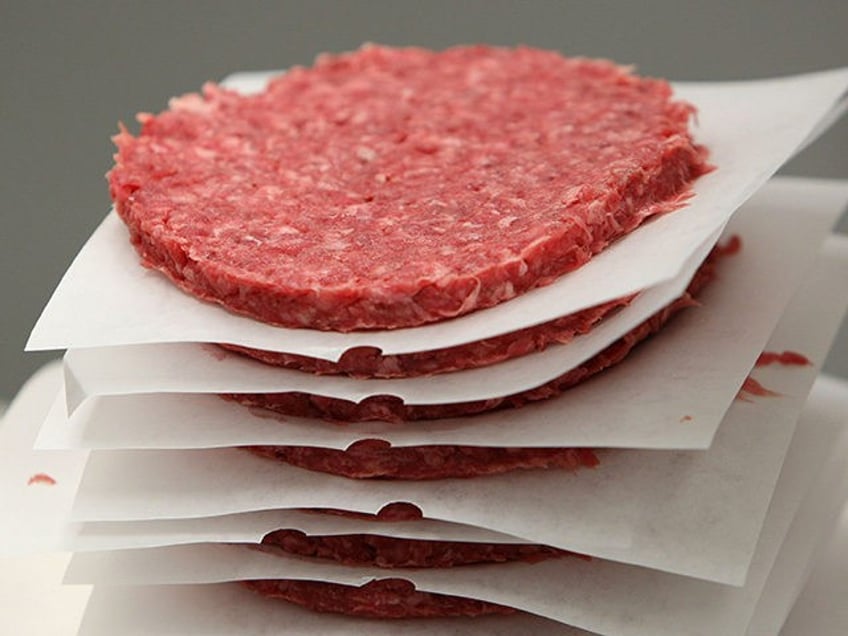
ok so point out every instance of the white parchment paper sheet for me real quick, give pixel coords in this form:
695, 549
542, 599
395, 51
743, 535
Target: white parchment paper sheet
755, 286
711, 503
820, 607
816, 516
601, 596
710, 347
250, 527
751, 128
165, 367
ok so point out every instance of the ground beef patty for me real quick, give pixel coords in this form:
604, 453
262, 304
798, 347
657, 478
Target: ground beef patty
376, 459
389, 188
390, 408
386, 598
393, 409
368, 362
396, 552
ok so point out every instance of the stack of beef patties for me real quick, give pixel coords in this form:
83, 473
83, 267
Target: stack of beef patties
439, 277
391, 189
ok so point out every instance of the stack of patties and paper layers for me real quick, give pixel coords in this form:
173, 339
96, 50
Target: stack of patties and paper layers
429, 336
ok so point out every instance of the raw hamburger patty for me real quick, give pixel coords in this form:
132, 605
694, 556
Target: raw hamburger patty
395, 552
389, 188
390, 408
370, 459
368, 362
387, 598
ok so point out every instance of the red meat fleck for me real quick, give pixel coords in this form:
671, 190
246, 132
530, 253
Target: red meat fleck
41, 478
733, 245
790, 358
753, 387
215, 351
686, 418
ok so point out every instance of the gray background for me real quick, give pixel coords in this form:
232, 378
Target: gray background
72, 70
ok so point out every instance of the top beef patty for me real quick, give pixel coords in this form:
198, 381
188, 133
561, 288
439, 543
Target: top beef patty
389, 188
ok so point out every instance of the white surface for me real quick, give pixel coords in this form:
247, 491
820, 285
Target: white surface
20, 423
821, 608
818, 514
751, 129
32, 600
34, 514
